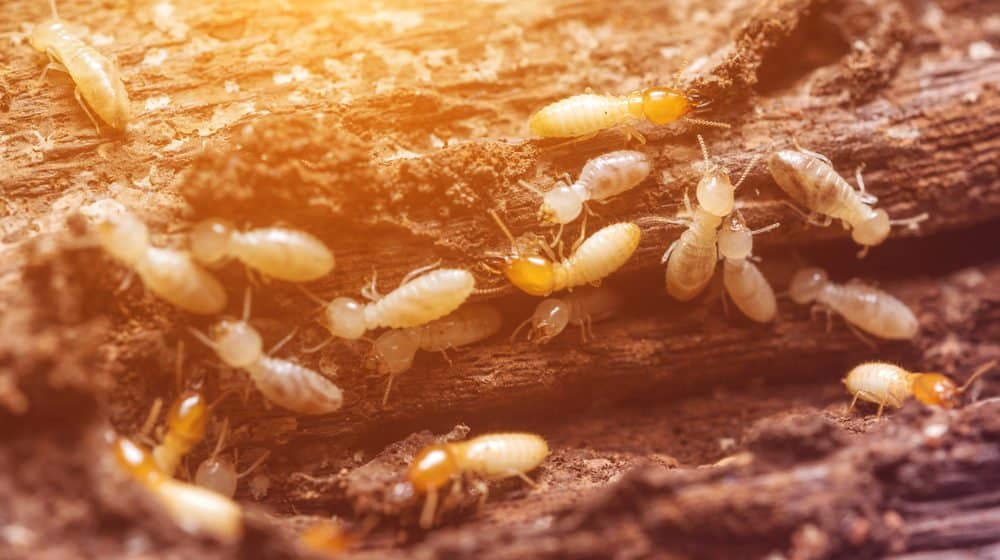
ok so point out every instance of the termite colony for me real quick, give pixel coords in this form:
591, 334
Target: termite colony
429, 310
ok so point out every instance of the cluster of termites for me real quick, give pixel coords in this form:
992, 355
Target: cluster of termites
428, 310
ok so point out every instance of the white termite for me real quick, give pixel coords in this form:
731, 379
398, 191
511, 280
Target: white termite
744, 283
218, 472
692, 258
393, 351
867, 308
282, 253
172, 275
580, 308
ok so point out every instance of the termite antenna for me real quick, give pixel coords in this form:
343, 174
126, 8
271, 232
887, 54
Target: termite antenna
55, 12
680, 71
388, 387
704, 151
490, 291
517, 331
283, 341
747, 170
179, 366
911, 223
202, 337
503, 227
766, 229
151, 418
975, 375
530, 187
218, 400
255, 464
704, 122
318, 347
247, 296
222, 438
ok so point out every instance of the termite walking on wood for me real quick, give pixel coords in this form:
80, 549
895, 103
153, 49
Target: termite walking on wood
744, 283
593, 259
98, 82
285, 254
589, 113
218, 472
580, 308
194, 509
867, 308
692, 258
810, 180
287, 384
172, 275
420, 298
393, 351
888, 384
490, 456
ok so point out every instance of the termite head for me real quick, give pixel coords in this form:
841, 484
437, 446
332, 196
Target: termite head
45, 33
393, 351
188, 416
936, 390
873, 230
210, 241
550, 318
432, 468
806, 284
716, 192
218, 474
236, 342
135, 460
534, 274
735, 238
561, 205
345, 318
663, 105
123, 235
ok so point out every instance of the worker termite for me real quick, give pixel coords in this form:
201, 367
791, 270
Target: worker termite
581, 308
172, 275
282, 382
590, 113
744, 283
392, 353
218, 473
888, 384
809, 178
603, 177
419, 299
593, 259
285, 254
98, 82
864, 307
491, 456
691, 259
195, 509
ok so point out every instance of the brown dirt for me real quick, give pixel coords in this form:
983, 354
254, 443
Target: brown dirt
388, 134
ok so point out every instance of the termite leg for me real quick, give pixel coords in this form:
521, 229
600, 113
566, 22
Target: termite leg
79, 99
865, 196
868, 342
854, 401
881, 408
283, 341
255, 464
318, 347
912, 223
370, 292
126, 282
631, 132
525, 478
666, 254
558, 236
517, 330
388, 388
816, 155
447, 358
863, 252
575, 140
725, 303
583, 235
430, 504
418, 271
151, 418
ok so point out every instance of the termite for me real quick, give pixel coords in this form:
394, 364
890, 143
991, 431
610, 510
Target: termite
593, 260
581, 308
98, 82
490, 456
888, 384
864, 307
195, 509
285, 254
692, 258
589, 113
287, 384
186, 422
218, 473
392, 352
602, 178
419, 299
810, 180
744, 283
172, 275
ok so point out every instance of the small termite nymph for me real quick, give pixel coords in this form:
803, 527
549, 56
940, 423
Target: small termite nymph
287, 384
864, 307
285, 254
744, 283
490, 456
580, 308
186, 422
98, 82
218, 473
716, 193
602, 178
810, 180
888, 384
593, 259
692, 258
172, 275
392, 352
194, 509
417, 300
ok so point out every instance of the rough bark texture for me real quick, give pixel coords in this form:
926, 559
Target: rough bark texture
389, 134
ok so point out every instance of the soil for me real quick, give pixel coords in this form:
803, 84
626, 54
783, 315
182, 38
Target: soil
388, 133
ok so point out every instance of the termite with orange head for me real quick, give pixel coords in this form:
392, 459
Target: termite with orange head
580, 308
218, 472
867, 308
194, 509
186, 421
809, 178
888, 384
744, 283
287, 384
98, 82
393, 352
172, 275
594, 259
285, 254
490, 456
